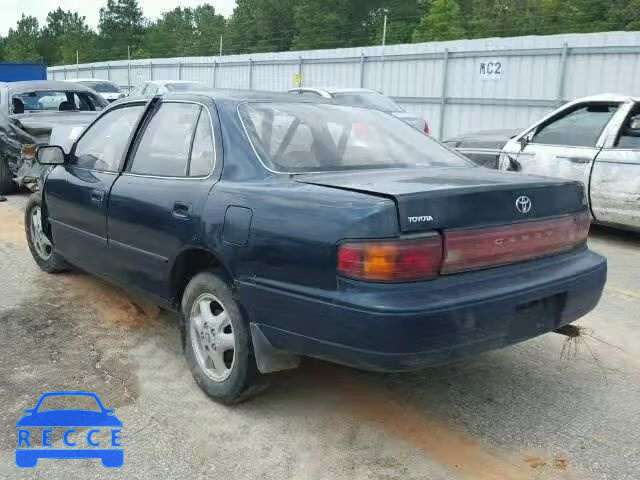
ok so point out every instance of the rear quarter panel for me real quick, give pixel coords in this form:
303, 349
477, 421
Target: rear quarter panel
294, 230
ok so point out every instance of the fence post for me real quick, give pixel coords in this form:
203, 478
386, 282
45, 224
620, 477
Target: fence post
108, 72
562, 71
362, 60
64, 71
150, 70
443, 95
215, 67
300, 63
179, 70
93, 71
250, 74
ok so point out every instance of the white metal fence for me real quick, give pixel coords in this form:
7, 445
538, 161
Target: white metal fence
458, 86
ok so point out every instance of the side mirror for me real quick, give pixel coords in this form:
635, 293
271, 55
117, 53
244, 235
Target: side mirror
50, 155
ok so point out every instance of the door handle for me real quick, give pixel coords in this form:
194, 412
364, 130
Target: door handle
181, 210
97, 196
574, 159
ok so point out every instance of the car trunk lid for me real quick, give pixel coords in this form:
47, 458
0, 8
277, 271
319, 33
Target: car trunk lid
452, 198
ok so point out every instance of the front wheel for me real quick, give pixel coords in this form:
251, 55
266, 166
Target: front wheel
217, 342
39, 238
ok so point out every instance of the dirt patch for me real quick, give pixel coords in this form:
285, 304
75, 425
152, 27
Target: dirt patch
534, 462
12, 227
451, 449
113, 304
560, 463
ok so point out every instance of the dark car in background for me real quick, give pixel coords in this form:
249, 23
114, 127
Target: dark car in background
363, 97
28, 113
281, 226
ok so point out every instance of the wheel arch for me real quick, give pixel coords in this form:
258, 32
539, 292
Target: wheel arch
189, 263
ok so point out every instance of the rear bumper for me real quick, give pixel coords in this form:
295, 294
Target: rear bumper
410, 326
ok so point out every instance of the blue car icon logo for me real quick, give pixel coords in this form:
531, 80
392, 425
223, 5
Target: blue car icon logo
36, 432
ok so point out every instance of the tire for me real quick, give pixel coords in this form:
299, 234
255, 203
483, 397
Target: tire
39, 238
7, 185
210, 315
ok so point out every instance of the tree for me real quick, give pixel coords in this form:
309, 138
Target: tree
21, 44
333, 24
260, 26
403, 18
209, 26
65, 33
120, 25
624, 15
442, 22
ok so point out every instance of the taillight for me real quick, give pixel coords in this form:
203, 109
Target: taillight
426, 128
391, 261
477, 248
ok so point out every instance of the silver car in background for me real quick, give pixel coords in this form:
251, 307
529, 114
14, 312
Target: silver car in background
362, 97
159, 87
105, 88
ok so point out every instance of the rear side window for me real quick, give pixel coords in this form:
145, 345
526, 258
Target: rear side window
103, 146
202, 153
581, 127
165, 145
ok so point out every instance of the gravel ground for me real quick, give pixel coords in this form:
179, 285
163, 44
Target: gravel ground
524, 412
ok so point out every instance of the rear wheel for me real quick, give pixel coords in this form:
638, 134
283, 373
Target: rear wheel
7, 185
39, 237
217, 342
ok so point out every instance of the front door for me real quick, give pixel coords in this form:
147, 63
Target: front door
566, 145
78, 194
615, 181
155, 205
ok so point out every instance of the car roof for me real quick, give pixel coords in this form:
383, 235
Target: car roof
336, 90
232, 95
88, 80
45, 85
606, 97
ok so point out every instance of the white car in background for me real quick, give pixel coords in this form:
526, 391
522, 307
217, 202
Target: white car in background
159, 87
363, 97
105, 88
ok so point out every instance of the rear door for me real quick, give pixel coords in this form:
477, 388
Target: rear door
154, 208
78, 194
615, 180
566, 145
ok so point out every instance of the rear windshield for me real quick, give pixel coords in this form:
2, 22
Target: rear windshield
56, 100
103, 87
309, 137
368, 100
185, 87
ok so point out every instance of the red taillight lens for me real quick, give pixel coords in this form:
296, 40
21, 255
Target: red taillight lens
395, 261
483, 247
427, 130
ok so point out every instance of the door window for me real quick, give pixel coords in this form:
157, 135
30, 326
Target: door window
165, 145
202, 152
104, 144
581, 127
629, 137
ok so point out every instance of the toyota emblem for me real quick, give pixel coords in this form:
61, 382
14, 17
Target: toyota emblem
523, 204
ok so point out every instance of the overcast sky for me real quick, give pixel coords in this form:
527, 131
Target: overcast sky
12, 10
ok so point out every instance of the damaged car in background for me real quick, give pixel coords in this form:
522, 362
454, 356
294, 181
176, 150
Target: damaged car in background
595, 140
29, 112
